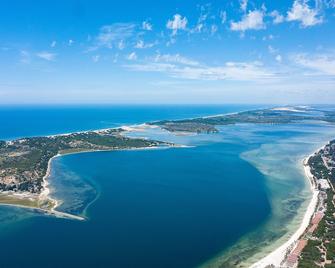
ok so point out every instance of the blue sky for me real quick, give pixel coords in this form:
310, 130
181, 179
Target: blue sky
167, 51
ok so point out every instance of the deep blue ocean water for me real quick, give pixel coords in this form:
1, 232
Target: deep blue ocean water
26, 121
158, 208
152, 210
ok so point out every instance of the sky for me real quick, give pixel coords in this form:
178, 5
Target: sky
161, 52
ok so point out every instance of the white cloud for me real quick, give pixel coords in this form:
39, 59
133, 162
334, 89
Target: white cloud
176, 58
239, 71
121, 45
307, 16
146, 26
111, 35
70, 43
198, 28
223, 16
53, 44
46, 55
204, 13
132, 56
277, 17
251, 21
177, 23
322, 63
244, 5
214, 29
141, 45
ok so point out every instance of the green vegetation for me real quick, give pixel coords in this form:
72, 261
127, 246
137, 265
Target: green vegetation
321, 245
310, 255
195, 127
263, 116
24, 162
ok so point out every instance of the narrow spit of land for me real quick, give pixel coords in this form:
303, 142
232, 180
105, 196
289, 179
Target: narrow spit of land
25, 163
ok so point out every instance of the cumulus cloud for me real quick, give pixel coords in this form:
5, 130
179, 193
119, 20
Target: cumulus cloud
323, 63
146, 26
306, 15
46, 55
253, 20
177, 23
277, 17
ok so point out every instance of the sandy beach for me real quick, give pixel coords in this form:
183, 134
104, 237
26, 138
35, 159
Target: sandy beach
277, 257
42, 202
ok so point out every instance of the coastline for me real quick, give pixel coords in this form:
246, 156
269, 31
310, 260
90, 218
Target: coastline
44, 203
277, 257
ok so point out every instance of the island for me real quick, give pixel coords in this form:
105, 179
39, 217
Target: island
280, 115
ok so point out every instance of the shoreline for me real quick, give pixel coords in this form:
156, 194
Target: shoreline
135, 126
43, 199
277, 257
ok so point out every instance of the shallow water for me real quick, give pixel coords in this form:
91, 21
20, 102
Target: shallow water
278, 156
228, 197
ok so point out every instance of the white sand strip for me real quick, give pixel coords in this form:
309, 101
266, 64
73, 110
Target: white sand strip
277, 257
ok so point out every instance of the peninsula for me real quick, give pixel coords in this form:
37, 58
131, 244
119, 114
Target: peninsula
25, 163
280, 115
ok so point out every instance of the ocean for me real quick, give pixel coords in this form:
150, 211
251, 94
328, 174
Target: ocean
225, 200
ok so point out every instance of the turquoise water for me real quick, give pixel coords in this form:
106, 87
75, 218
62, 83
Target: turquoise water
219, 202
27, 121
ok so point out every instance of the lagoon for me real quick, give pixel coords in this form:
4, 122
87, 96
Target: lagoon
229, 198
